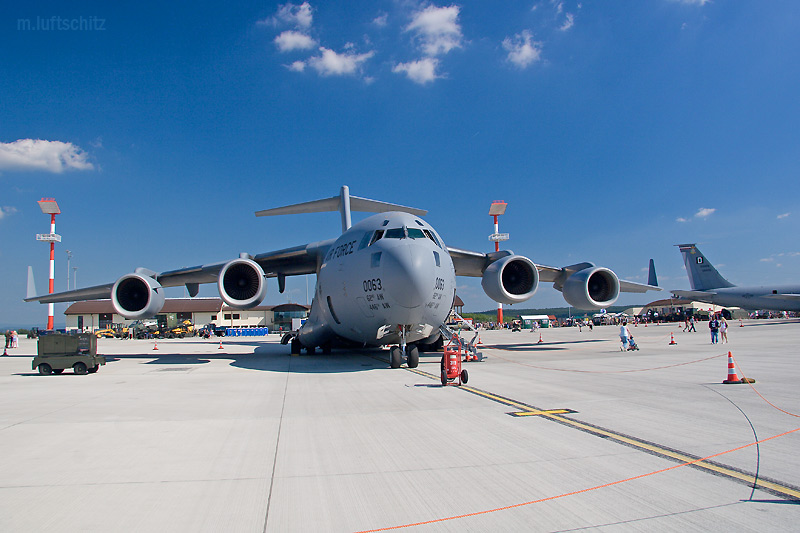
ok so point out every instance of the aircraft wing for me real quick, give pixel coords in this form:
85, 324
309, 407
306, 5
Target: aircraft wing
298, 260
469, 263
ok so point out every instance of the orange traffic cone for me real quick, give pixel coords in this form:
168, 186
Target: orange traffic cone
671, 339
645, 324
479, 340
5, 350
155, 346
220, 345
732, 377
540, 339
741, 324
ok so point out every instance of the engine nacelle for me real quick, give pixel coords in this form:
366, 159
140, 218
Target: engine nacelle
242, 284
591, 288
510, 280
136, 296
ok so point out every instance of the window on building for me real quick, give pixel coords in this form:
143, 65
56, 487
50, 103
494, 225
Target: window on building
184, 316
236, 316
227, 316
213, 317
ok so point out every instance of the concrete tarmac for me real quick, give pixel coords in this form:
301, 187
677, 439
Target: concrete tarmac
563, 435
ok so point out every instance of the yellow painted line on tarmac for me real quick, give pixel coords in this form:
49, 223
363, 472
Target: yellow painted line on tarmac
777, 488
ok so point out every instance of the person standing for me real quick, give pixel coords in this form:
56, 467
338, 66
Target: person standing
691, 323
713, 326
624, 335
8, 338
14, 339
723, 330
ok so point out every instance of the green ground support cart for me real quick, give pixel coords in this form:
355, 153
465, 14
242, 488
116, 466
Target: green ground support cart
59, 352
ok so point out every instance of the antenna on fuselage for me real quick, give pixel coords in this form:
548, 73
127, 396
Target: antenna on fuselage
344, 203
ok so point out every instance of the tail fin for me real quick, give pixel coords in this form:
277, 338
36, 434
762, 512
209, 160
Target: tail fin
702, 274
651, 275
342, 203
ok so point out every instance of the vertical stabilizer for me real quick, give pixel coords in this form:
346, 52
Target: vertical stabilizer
702, 274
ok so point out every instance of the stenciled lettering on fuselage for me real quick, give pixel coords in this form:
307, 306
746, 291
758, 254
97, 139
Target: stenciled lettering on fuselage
341, 250
373, 289
438, 294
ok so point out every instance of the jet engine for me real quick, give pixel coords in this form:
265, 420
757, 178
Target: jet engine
136, 296
591, 288
242, 283
510, 280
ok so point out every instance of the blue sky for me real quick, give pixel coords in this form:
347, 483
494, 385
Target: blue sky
614, 130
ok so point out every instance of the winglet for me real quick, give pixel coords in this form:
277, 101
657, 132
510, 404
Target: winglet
31, 293
651, 275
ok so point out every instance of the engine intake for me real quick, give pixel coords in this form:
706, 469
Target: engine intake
242, 284
135, 296
591, 288
510, 280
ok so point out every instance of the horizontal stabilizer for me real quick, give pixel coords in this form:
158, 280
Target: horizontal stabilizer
783, 296
333, 203
693, 295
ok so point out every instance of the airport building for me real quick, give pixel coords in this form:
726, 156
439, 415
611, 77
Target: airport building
93, 315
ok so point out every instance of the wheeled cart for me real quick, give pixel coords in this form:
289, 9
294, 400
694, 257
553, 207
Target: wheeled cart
451, 366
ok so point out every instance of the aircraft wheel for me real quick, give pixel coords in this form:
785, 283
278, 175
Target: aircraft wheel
395, 356
296, 347
464, 376
79, 368
45, 369
413, 355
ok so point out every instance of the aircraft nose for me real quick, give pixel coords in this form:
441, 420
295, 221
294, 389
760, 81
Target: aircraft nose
408, 275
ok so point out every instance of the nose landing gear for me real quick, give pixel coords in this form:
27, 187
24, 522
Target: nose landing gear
410, 351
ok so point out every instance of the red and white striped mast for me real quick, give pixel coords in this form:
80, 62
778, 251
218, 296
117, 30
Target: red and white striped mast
50, 207
497, 208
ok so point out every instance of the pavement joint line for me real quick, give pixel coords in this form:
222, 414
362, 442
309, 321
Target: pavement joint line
777, 488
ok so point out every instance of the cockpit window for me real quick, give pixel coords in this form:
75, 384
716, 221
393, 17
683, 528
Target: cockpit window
376, 236
395, 233
415, 233
429, 234
364, 240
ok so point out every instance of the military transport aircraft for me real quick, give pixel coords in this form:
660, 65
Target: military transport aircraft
387, 280
710, 287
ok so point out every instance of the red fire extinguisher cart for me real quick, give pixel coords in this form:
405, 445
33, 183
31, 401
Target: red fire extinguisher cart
451, 366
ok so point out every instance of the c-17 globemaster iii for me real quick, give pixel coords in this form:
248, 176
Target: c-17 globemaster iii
387, 280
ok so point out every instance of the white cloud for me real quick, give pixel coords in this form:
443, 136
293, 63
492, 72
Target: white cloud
422, 71
297, 66
784, 215
681, 219
522, 49
294, 40
704, 212
296, 15
6, 211
381, 20
332, 64
767, 259
48, 156
570, 22
437, 29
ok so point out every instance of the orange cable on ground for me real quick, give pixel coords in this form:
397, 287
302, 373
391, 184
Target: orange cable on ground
759, 394
573, 493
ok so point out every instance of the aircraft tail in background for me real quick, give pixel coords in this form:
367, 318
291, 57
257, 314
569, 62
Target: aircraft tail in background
702, 274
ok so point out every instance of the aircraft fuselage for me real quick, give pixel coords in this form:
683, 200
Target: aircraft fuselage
389, 273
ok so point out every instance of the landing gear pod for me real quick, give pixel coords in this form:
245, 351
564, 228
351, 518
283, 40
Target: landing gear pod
242, 284
135, 296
